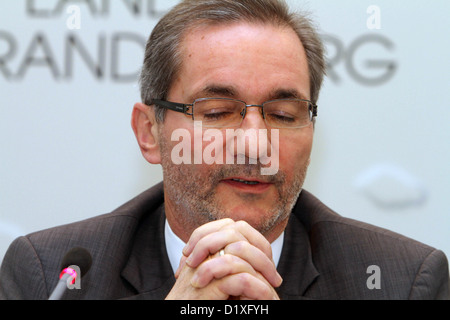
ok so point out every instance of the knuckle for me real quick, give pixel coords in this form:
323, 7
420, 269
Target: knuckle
266, 292
244, 279
240, 247
242, 224
226, 223
233, 234
205, 269
228, 259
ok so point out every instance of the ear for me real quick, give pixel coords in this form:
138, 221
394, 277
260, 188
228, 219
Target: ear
145, 129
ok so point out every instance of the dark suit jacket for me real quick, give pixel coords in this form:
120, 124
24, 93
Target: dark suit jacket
325, 256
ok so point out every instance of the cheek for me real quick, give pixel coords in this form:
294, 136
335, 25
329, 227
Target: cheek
209, 145
295, 151
196, 149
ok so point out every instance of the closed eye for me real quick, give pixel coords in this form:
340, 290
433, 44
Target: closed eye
217, 114
281, 117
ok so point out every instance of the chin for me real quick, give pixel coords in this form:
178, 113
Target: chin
258, 218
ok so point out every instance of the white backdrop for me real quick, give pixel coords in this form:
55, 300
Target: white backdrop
381, 152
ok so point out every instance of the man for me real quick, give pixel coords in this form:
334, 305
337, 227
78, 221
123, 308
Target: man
220, 228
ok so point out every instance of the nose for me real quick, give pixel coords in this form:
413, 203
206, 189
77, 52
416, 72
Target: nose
252, 137
253, 117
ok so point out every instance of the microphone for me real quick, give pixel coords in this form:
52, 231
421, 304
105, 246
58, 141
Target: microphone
78, 257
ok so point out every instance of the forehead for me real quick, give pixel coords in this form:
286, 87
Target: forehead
254, 59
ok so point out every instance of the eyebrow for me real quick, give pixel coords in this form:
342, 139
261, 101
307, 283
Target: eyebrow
286, 94
211, 91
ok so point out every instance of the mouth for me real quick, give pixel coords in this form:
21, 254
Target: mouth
247, 184
245, 181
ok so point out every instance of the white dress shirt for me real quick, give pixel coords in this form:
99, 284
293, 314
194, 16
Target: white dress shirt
175, 246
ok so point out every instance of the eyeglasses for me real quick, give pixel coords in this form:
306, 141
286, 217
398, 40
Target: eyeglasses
225, 112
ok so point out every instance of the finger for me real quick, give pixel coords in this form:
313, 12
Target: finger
247, 285
203, 231
217, 242
180, 266
253, 236
219, 267
212, 243
257, 259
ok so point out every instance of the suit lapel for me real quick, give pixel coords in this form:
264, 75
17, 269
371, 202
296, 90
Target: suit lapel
148, 269
296, 265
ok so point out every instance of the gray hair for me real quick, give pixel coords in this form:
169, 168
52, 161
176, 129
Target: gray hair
163, 60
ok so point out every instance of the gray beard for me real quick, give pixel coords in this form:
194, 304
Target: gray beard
196, 197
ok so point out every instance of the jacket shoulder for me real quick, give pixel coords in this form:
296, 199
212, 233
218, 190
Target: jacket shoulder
107, 237
348, 251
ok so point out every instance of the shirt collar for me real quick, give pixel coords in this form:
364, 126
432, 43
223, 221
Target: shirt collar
175, 245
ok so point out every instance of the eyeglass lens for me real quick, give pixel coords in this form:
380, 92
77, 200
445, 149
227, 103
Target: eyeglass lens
227, 112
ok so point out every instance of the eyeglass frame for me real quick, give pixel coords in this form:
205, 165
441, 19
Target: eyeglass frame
184, 107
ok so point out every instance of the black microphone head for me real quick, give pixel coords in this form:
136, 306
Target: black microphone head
79, 257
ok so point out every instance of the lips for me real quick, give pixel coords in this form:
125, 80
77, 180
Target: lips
247, 184
245, 181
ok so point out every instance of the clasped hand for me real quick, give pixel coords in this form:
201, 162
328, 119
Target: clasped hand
226, 260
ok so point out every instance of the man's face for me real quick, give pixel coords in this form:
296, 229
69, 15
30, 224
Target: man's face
253, 63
